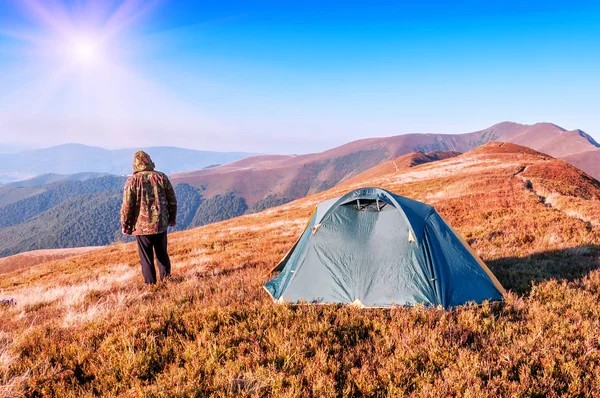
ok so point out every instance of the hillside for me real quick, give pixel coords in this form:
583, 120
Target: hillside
86, 325
10, 194
402, 163
49, 178
85, 220
285, 178
40, 199
72, 213
252, 184
16, 191
31, 258
588, 160
76, 158
80, 210
544, 137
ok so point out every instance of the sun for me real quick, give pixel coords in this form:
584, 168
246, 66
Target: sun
85, 51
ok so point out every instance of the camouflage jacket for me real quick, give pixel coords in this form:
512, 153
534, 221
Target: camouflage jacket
149, 202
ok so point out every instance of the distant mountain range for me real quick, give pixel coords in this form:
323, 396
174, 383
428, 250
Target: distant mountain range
14, 148
588, 161
56, 211
52, 211
48, 178
279, 179
16, 191
75, 158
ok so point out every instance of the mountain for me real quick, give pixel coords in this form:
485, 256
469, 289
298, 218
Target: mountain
402, 163
71, 213
76, 158
574, 146
267, 178
6, 178
48, 178
587, 160
14, 148
279, 179
16, 191
55, 194
546, 137
10, 194
212, 330
244, 186
362, 154
83, 210
84, 220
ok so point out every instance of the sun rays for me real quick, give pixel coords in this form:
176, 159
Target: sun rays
81, 70
87, 34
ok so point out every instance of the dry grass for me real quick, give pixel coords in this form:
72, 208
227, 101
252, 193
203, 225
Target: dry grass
85, 327
29, 259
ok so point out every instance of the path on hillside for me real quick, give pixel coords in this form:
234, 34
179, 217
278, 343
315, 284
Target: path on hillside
550, 202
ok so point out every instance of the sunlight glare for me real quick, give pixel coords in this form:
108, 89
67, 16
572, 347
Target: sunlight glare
85, 51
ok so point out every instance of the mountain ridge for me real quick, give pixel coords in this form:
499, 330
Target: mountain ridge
291, 177
77, 158
255, 183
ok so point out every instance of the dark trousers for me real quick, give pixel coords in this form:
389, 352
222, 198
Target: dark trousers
148, 245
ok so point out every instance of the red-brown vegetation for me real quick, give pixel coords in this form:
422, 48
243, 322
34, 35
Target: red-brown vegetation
401, 163
29, 259
86, 326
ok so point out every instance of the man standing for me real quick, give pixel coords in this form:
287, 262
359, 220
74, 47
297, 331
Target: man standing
149, 208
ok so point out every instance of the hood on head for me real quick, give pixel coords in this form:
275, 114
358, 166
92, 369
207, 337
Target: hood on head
142, 162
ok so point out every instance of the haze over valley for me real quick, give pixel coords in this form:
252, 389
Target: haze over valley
77, 158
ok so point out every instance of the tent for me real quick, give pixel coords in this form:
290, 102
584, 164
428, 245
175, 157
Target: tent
373, 248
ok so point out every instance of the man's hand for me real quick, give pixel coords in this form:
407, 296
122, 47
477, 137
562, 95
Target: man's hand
125, 232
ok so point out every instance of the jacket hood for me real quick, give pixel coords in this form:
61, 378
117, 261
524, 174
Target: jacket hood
142, 162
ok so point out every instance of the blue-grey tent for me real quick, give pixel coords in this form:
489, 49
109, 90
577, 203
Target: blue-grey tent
373, 248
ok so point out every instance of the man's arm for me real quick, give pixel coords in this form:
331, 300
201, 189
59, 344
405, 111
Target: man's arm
128, 208
171, 202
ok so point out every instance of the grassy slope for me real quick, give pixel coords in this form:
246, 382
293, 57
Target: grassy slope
86, 326
401, 163
31, 258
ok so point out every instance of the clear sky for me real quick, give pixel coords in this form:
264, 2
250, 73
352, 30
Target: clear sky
290, 76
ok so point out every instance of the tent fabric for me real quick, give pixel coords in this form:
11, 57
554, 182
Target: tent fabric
387, 250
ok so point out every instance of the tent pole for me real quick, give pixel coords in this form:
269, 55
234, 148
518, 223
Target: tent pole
358, 204
377, 200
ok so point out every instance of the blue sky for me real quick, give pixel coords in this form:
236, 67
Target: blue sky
290, 77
